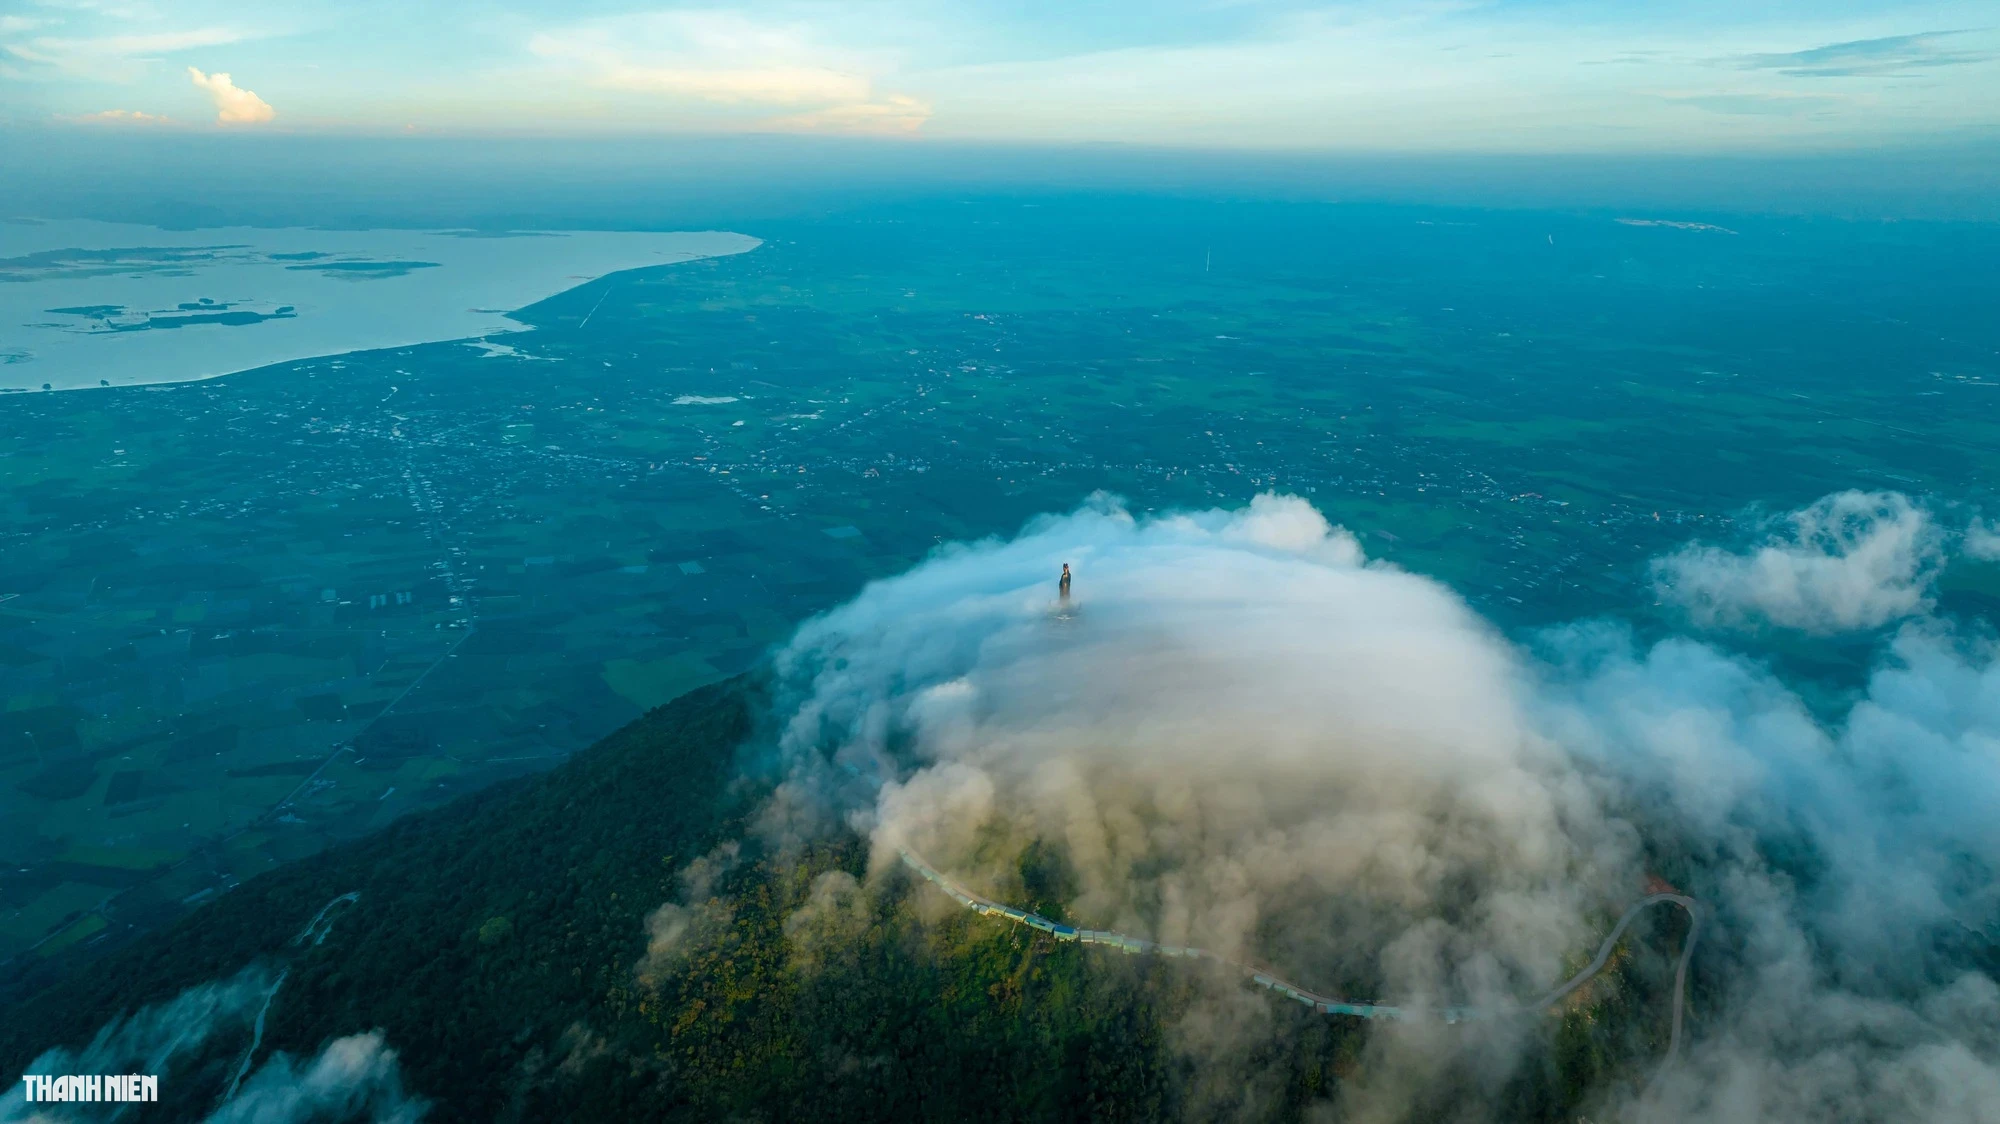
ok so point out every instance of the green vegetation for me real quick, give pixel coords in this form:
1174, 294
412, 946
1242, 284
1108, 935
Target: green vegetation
244, 620
501, 944
240, 612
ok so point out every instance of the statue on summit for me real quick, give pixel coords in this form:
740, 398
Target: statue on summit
1063, 586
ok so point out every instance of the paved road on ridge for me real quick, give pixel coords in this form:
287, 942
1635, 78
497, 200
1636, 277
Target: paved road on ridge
1328, 1004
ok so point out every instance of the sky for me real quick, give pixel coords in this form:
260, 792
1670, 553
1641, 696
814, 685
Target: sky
1414, 76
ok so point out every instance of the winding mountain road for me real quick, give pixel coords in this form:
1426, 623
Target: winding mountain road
1329, 1004
314, 932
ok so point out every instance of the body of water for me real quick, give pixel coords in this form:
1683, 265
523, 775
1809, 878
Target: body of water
87, 304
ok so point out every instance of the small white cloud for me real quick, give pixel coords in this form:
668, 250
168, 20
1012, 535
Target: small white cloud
763, 85
1852, 560
1982, 541
356, 1077
233, 105
119, 117
895, 115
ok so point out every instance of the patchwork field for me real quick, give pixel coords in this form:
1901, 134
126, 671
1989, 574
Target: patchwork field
242, 618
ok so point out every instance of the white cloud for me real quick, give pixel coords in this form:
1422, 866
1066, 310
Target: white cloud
781, 85
1982, 540
233, 105
205, 1032
119, 117
116, 58
1458, 77
1242, 726
1246, 736
1827, 850
352, 1078
207, 1019
155, 44
895, 115
726, 59
714, 56
1852, 560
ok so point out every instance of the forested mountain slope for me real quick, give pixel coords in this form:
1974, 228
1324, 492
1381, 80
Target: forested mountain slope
501, 946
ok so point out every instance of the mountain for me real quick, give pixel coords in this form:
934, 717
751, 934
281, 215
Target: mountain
513, 951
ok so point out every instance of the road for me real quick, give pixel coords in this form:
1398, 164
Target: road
1329, 1004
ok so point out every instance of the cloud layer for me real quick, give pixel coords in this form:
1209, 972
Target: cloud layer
1366, 75
1245, 735
1387, 757
1902, 55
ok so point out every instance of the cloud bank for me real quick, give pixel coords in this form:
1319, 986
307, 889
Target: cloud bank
1853, 560
1247, 736
233, 105
1387, 757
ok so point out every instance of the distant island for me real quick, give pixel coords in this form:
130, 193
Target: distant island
1677, 225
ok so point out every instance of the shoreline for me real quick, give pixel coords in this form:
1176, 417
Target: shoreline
91, 305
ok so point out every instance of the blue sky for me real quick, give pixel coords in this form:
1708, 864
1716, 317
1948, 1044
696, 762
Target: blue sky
1363, 75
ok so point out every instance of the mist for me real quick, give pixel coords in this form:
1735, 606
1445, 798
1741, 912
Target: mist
1244, 734
202, 1044
690, 181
